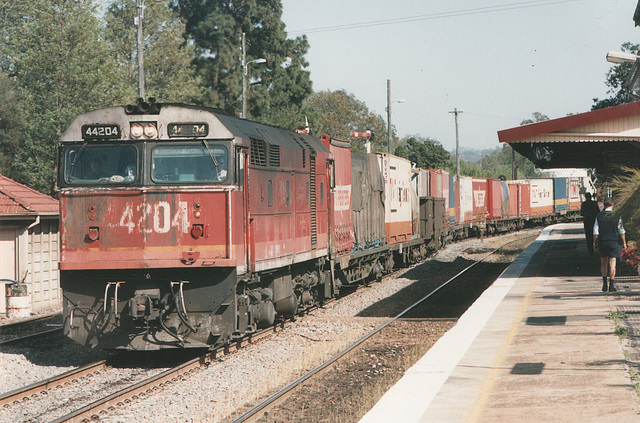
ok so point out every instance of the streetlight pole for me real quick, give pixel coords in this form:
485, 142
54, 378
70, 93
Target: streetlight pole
245, 67
138, 22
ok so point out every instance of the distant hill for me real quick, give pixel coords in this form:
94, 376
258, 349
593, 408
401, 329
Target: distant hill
474, 155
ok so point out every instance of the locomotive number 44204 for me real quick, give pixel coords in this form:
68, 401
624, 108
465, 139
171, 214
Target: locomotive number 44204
100, 131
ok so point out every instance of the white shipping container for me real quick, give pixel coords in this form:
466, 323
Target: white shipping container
401, 203
541, 196
466, 199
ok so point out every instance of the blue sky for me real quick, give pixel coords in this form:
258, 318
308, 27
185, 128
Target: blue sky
497, 61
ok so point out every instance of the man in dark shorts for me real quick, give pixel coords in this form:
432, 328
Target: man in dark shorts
606, 232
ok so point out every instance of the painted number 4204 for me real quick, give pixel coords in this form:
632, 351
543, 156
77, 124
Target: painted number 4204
158, 217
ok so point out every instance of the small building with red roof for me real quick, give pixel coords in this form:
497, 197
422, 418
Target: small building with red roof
29, 244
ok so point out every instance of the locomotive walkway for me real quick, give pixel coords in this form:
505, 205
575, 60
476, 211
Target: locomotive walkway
540, 345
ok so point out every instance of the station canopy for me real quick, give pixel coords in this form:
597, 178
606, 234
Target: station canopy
601, 139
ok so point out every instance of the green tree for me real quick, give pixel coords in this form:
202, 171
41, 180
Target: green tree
535, 118
473, 169
499, 162
278, 88
626, 191
426, 153
338, 114
62, 68
616, 77
170, 75
12, 121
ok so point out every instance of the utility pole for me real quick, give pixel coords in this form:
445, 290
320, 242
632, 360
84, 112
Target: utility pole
456, 112
244, 77
389, 115
138, 21
389, 102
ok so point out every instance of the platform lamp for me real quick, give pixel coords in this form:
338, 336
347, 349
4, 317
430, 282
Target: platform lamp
632, 84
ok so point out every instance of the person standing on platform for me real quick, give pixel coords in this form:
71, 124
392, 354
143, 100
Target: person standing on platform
606, 232
589, 209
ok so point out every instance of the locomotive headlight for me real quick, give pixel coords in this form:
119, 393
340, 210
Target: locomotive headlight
144, 129
150, 131
137, 130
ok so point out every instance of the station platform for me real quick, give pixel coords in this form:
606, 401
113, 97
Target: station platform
539, 345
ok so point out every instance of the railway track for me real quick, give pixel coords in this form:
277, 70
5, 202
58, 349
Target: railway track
261, 409
127, 394
14, 332
26, 393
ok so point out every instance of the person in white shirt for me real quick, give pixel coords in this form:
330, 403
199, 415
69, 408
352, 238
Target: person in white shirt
606, 233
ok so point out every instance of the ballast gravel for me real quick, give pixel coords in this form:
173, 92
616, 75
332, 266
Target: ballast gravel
246, 376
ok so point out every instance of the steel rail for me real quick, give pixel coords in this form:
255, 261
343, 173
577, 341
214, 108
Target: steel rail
32, 335
20, 394
29, 320
142, 388
150, 385
284, 391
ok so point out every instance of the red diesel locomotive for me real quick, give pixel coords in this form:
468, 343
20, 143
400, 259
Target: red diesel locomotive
182, 227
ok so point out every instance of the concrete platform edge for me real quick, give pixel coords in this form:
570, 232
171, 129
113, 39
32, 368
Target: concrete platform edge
412, 395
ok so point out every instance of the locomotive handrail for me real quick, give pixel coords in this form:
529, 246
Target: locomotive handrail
182, 314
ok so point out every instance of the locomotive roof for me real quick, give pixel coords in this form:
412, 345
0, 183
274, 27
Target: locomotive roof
221, 125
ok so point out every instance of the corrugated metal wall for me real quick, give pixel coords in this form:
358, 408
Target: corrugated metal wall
42, 264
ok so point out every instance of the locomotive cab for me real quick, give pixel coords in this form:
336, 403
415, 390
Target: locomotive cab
150, 245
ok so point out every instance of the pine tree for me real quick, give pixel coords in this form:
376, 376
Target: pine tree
277, 88
169, 74
62, 68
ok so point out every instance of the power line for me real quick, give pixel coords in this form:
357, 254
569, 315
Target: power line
432, 16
